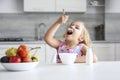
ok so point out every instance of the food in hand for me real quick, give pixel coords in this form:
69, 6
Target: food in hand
23, 51
4, 59
35, 58
11, 52
15, 59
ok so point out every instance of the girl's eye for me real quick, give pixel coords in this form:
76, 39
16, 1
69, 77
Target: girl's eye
77, 27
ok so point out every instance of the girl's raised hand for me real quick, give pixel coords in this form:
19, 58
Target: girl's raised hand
63, 19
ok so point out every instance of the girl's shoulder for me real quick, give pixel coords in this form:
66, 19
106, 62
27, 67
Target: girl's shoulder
61, 45
81, 45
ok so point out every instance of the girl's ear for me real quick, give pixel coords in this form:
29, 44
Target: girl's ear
81, 38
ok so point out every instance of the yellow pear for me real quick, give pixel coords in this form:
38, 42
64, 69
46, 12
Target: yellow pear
11, 52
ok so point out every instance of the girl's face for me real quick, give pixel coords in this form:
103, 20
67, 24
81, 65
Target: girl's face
74, 31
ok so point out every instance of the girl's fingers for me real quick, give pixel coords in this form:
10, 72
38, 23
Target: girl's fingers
65, 18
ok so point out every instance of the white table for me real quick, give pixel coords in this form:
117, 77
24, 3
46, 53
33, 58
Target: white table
81, 71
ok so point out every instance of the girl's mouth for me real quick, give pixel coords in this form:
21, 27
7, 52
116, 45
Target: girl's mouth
69, 32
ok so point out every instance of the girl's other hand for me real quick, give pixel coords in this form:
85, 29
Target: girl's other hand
63, 19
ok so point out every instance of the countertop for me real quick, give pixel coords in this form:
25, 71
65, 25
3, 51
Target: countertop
79, 71
23, 42
100, 41
43, 42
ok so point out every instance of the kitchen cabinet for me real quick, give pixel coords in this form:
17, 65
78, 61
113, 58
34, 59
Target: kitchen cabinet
95, 9
117, 55
112, 6
40, 52
54, 5
104, 51
95, 6
11, 6
73, 6
50, 54
39, 5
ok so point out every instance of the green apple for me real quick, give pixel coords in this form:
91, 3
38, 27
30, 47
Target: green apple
35, 58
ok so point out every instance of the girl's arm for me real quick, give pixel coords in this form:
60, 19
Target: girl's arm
83, 57
49, 36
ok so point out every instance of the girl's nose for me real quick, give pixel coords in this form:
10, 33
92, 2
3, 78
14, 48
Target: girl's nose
70, 29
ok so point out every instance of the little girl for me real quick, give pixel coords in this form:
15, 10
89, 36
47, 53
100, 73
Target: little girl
77, 39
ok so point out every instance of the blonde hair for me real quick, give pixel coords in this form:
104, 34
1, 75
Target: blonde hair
85, 35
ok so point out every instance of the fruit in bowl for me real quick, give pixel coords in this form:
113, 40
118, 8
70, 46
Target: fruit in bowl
19, 58
5, 59
15, 59
23, 51
11, 52
67, 58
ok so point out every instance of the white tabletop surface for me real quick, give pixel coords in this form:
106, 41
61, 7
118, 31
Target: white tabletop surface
81, 71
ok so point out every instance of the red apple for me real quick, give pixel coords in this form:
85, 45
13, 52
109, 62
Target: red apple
23, 51
26, 59
15, 59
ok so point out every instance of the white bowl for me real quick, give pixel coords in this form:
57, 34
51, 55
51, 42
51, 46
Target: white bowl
20, 66
67, 58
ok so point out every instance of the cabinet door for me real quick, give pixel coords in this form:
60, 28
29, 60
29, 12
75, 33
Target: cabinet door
112, 6
117, 56
11, 6
50, 53
3, 48
104, 52
71, 5
39, 5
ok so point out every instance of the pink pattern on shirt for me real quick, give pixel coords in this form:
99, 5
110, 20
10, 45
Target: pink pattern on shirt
62, 48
